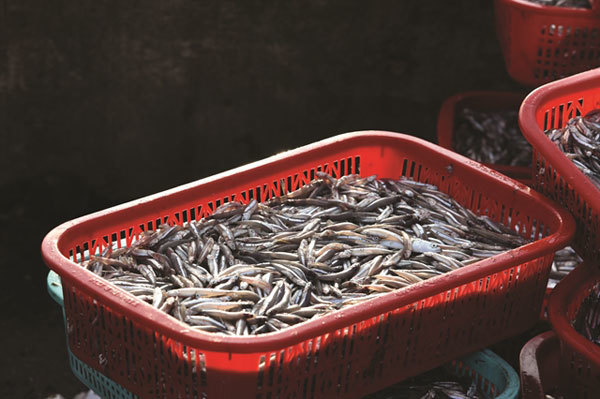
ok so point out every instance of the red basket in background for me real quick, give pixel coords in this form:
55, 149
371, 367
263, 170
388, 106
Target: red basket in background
480, 101
539, 369
550, 107
579, 358
345, 354
543, 43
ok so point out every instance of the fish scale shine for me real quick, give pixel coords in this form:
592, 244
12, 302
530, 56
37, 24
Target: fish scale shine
263, 267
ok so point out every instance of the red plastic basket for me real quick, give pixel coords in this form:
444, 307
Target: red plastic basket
480, 101
544, 43
345, 354
551, 106
539, 369
579, 358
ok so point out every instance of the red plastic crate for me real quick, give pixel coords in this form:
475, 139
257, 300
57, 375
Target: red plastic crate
539, 368
544, 43
548, 107
345, 354
579, 358
480, 101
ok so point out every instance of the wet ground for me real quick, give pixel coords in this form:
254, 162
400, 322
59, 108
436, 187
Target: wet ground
102, 102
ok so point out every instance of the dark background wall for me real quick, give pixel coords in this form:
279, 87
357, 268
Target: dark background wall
106, 101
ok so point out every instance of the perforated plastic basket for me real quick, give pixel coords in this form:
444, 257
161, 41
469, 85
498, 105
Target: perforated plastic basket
543, 43
348, 353
480, 101
495, 378
579, 358
548, 107
97, 382
539, 366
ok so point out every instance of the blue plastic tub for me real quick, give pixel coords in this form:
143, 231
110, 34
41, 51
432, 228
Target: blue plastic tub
495, 378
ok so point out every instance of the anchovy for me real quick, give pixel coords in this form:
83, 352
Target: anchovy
565, 260
492, 137
587, 318
579, 140
263, 267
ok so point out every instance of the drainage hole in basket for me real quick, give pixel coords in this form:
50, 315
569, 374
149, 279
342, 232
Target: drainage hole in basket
280, 368
271, 368
309, 345
412, 169
344, 342
404, 167
338, 386
352, 336
258, 194
348, 369
489, 388
317, 348
261, 369
342, 164
305, 388
313, 385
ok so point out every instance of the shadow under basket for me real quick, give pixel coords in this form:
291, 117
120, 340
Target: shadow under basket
345, 354
495, 378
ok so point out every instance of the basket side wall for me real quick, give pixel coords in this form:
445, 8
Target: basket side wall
550, 45
348, 362
547, 180
344, 363
582, 376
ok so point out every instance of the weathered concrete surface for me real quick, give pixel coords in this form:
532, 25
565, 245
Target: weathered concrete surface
141, 98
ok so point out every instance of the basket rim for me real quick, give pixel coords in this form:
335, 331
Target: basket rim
510, 375
525, 5
557, 311
121, 301
535, 135
529, 362
446, 118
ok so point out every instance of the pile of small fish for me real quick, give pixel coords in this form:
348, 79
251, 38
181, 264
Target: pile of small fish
564, 3
435, 384
565, 260
262, 267
491, 137
587, 321
579, 139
